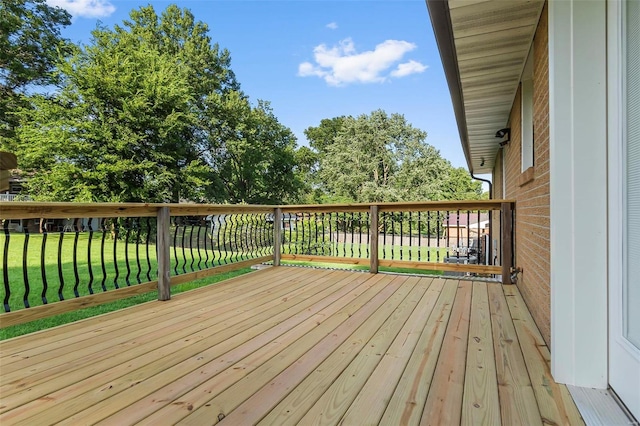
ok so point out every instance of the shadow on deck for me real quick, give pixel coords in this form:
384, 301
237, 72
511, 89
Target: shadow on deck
294, 346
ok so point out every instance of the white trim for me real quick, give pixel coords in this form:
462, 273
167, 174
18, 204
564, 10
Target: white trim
624, 367
578, 190
526, 114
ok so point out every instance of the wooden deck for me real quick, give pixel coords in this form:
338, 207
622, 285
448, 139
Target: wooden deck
294, 346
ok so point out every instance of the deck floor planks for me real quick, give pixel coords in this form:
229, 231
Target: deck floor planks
444, 401
165, 403
279, 375
106, 348
255, 365
554, 401
518, 405
328, 391
133, 314
91, 391
370, 403
481, 405
115, 358
410, 395
119, 327
335, 346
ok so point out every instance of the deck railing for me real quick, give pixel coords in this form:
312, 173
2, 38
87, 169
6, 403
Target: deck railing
59, 257
458, 237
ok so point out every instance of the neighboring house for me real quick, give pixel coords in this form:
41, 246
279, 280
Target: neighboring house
464, 227
289, 221
561, 79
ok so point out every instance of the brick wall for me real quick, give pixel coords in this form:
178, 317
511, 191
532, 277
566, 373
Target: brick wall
531, 190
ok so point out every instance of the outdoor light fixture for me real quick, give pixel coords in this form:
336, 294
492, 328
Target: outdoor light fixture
506, 132
482, 162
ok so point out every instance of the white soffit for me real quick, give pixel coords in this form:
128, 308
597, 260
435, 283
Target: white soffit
492, 40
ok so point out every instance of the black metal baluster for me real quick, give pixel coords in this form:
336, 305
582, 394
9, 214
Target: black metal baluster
60, 275
458, 234
75, 258
198, 243
393, 235
148, 221
193, 258
438, 236
410, 236
236, 246
224, 238
43, 270
331, 245
127, 235
468, 234
25, 275
359, 235
116, 235
102, 264
301, 244
401, 234
90, 284
175, 245
479, 248
214, 246
352, 229
384, 235
5, 267
206, 249
138, 229
184, 254
241, 237
420, 236
429, 236
368, 224
219, 219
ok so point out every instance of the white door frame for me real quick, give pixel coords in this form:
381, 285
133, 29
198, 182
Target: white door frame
624, 357
578, 191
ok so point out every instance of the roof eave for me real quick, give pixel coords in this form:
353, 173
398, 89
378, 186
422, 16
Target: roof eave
441, 24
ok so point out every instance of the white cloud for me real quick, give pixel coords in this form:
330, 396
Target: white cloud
408, 68
332, 26
342, 64
85, 8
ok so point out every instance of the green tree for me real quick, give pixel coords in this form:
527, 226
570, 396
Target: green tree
252, 153
372, 158
116, 130
30, 44
151, 111
381, 157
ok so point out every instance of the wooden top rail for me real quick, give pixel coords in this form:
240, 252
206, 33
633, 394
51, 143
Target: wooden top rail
35, 210
38, 210
399, 206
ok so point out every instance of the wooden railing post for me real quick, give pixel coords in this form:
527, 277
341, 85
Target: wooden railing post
506, 225
373, 239
163, 246
277, 236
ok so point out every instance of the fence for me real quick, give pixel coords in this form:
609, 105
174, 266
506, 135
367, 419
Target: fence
58, 257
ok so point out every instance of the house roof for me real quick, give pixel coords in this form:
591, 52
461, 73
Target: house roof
483, 45
461, 220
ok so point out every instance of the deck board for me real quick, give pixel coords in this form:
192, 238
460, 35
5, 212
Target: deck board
293, 346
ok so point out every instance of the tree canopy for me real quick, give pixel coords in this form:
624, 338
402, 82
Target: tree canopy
30, 42
381, 157
151, 111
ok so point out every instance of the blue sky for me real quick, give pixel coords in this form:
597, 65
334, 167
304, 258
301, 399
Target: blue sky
318, 59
